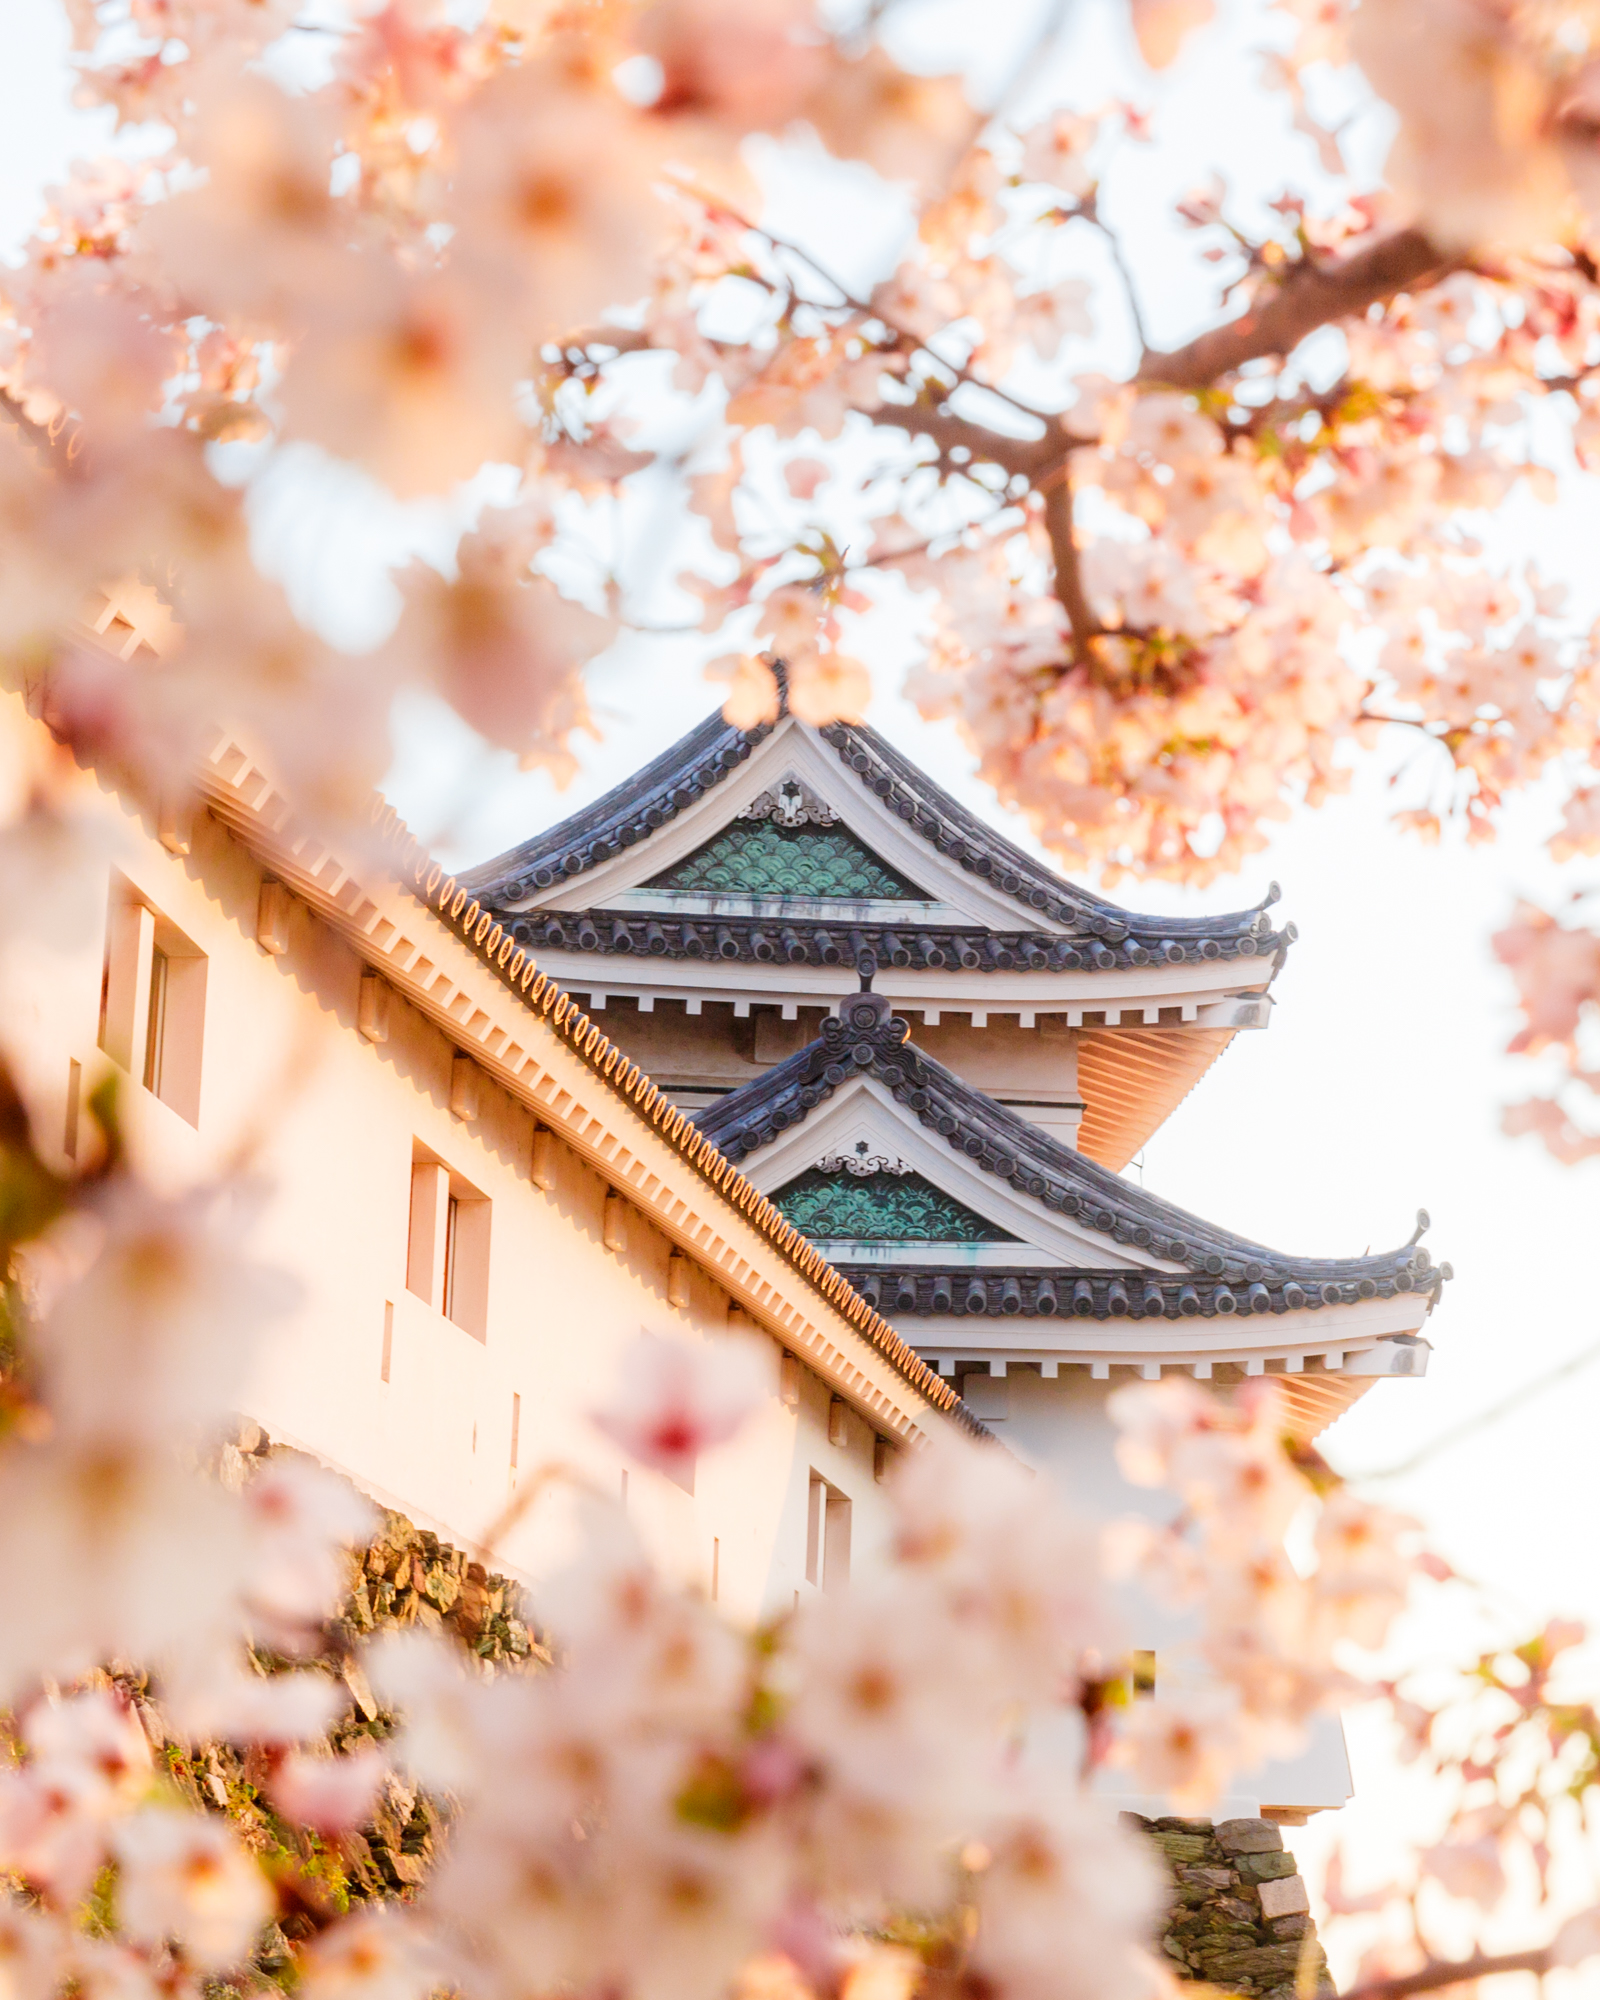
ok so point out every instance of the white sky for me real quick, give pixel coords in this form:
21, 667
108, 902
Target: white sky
1376, 1090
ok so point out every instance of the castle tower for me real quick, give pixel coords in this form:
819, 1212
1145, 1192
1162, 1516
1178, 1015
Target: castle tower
952, 1139
935, 1056
721, 902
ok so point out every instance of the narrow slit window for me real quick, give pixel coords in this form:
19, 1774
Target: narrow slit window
447, 1244
74, 1108
836, 1541
452, 1255
827, 1535
516, 1429
155, 1033
152, 1001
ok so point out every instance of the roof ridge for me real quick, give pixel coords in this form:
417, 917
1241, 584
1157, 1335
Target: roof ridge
865, 1038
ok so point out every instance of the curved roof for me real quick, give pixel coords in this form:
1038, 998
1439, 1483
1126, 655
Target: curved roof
697, 763
807, 941
1221, 1272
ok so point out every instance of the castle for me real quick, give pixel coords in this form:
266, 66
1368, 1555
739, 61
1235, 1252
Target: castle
774, 1039
951, 1134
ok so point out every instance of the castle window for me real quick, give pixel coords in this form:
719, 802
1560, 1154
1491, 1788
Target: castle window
153, 1000
447, 1245
827, 1535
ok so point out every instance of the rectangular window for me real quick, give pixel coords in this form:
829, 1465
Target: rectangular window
156, 1020
452, 1261
827, 1535
152, 1000
836, 1541
387, 1357
516, 1429
447, 1244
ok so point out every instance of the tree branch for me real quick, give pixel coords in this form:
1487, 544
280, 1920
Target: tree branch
1069, 574
1311, 294
1032, 457
1457, 1972
1090, 212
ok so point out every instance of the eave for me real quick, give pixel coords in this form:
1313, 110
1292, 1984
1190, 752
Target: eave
1099, 1250
1206, 993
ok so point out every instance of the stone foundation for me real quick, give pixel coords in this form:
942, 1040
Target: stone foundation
1239, 1917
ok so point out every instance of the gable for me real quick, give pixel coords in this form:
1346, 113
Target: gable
762, 857
834, 1201
863, 1122
637, 852
615, 854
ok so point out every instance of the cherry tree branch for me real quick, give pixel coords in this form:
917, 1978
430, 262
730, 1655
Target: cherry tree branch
1036, 459
1090, 212
1458, 1972
1069, 574
1311, 294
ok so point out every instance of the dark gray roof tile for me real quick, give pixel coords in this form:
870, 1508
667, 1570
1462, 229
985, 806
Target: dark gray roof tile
866, 1039
702, 759
810, 941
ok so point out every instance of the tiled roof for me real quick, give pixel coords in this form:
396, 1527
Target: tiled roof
809, 942
633, 810
934, 1291
866, 1040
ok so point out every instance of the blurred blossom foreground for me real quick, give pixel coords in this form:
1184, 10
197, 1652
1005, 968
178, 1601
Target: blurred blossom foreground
485, 1500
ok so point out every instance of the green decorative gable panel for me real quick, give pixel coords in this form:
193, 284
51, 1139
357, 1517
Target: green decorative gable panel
761, 858
881, 1208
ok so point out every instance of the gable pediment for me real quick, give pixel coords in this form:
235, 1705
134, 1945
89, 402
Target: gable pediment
996, 1222
835, 1201
850, 841
759, 856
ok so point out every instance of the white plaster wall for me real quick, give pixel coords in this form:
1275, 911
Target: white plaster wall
324, 1123
1061, 1428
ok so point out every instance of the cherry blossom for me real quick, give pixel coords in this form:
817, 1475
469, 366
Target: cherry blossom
331, 1795
673, 1401
300, 1520
184, 1876
1165, 597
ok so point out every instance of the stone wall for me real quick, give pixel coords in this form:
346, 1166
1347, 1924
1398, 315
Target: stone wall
404, 1577
1240, 1917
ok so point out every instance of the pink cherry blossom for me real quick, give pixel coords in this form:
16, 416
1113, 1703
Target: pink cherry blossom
184, 1876
674, 1400
331, 1795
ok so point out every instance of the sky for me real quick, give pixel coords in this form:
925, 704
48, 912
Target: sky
1378, 1087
